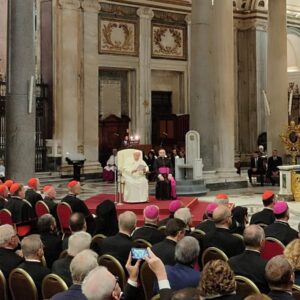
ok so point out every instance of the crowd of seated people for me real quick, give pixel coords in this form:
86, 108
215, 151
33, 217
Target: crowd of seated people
175, 254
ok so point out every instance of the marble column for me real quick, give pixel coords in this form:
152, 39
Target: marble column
144, 104
91, 9
277, 81
20, 69
223, 85
202, 108
68, 78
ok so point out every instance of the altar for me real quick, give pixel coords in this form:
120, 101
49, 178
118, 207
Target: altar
290, 182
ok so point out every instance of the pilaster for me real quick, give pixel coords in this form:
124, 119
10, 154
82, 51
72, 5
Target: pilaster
68, 75
91, 10
144, 105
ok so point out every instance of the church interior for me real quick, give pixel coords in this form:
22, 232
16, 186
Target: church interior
146, 102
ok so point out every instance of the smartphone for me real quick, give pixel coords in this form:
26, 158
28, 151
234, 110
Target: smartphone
139, 253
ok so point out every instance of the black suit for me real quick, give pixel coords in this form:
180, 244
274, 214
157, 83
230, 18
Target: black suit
51, 205
207, 226
266, 216
281, 231
118, 246
61, 267
9, 260
257, 164
52, 247
37, 272
149, 233
20, 210
251, 265
77, 205
280, 295
3, 203
224, 240
165, 250
163, 222
32, 197
273, 164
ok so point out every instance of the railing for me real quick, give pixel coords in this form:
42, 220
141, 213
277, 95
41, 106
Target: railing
40, 143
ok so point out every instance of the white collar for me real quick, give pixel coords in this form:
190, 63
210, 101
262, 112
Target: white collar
32, 260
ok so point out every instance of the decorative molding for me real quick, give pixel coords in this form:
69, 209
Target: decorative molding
169, 17
188, 19
91, 6
145, 13
253, 23
118, 37
69, 4
250, 5
118, 11
168, 42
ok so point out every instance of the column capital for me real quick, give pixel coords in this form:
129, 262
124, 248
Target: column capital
188, 19
92, 6
69, 4
145, 13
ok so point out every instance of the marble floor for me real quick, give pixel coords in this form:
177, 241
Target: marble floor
249, 197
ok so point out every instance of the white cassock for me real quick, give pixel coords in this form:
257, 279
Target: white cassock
111, 163
136, 184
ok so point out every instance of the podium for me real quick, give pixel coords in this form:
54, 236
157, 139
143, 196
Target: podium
290, 182
77, 160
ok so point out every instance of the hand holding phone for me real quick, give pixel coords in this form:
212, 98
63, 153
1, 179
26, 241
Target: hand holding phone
139, 253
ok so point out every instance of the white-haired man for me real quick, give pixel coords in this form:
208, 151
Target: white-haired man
184, 214
77, 243
108, 288
9, 241
81, 265
136, 184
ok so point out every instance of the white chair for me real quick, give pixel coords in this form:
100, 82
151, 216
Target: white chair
122, 156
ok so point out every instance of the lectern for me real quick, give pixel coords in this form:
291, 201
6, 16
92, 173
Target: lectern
77, 160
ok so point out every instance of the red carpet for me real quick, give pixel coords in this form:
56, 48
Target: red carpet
197, 207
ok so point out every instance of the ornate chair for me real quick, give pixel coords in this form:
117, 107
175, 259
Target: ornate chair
41, 208
141, 243
52, 284
64, 212
5, 217
198, 234
239, 236
96, 241
21, 285
245, 287
147, 278
122, 156
296, 292
113, 266
3, 287
163, 229
271, 248
213, 253
21, 228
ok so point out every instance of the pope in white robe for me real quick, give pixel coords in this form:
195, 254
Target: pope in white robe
136, 184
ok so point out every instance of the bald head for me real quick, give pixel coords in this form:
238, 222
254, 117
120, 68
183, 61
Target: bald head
127, 222
254, 236
222, 216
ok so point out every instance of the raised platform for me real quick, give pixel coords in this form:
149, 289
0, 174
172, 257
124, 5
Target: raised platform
197, 207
